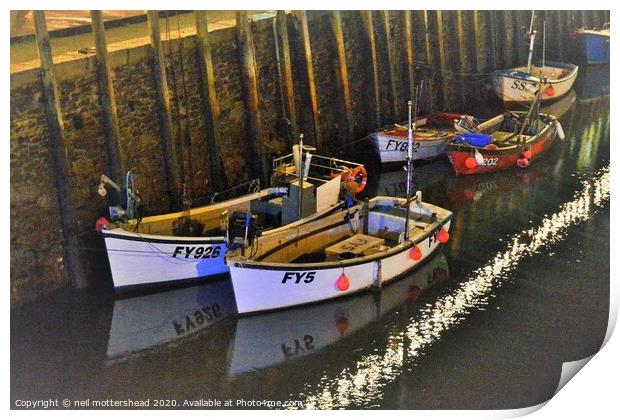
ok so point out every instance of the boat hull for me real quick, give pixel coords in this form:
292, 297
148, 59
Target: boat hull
143, 260
595, 47
266, 287
516, 88
393, 149
497, 160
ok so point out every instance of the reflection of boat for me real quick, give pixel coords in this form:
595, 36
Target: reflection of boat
593, 83
560, 107
143, 322
593, 45
425, 176
190, 244
274, 338
508, 140
430, 135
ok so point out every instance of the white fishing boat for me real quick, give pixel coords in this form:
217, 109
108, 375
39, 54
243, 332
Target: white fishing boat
431, 134
520, 85
364, 245
190, 244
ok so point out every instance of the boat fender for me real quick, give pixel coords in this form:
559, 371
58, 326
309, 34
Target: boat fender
559, 130
343, 282
479, 158
527, 154
470, 162
415, 253
443, 236
523, 162
549, 91
101, 224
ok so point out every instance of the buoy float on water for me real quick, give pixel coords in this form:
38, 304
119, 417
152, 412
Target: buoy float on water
101, 224
343, 282
523, 162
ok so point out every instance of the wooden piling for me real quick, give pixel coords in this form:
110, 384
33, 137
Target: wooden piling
287, 74
211, 104
409, 52
391, 64
370, 32
343, 75
250, 87
172, 168
508, 45
108, 99
314, 103
61, 167
481, 30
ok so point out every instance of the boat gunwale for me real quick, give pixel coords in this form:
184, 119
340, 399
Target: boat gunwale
240, 261
572, 68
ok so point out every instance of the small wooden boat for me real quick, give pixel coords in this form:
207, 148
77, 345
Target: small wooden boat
593, 45
518, 86
505, 141
364, 245
431, 134
190, 244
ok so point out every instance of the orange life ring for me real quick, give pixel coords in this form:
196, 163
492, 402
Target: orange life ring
343, 170
354, 182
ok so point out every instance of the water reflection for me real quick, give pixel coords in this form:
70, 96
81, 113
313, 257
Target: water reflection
365, 383
144, 322
271, 339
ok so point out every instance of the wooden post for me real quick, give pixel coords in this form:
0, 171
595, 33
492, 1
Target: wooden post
391, 65
211, 105
482, 47
466, 52
250, 87
314, 103
168, 143
108, 99
507, 24
370, 31
287, 73
443, 59
409, 51
343, 75
58, 153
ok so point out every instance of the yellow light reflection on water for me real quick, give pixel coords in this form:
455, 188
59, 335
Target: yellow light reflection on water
363, 385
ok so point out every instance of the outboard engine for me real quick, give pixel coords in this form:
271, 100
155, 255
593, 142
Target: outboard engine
241, 230
123, 203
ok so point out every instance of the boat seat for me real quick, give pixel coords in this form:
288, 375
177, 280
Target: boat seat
501, 136
356, 244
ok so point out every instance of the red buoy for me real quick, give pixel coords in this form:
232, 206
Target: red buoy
470, 162
549, 91
101, 224
523, 163
443, 236
343, 282
415, 253
527, 154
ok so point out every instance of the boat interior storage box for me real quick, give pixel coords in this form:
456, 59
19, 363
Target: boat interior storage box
290, 203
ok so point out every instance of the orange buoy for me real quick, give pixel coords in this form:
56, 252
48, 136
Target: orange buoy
443, 236
343, 282
527, 154
415, 253
523, 163
549, 91
101, 224
470, 162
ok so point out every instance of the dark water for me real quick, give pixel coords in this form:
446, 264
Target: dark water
522, 286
